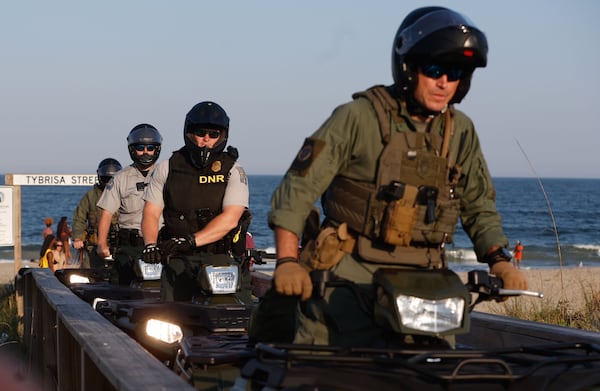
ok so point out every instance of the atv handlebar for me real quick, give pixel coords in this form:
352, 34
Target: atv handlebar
489, 287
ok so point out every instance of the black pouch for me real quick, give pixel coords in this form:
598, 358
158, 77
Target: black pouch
275, 319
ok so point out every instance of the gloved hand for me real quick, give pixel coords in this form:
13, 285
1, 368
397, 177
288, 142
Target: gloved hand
151, 253
511, 277
292, 279
178, 245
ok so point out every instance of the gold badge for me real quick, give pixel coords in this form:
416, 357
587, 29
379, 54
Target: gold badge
216, 166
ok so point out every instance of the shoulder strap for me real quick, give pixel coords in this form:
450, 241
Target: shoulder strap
448, 129
385, 107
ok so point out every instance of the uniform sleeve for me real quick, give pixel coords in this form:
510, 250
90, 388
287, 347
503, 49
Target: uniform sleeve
479, 216
237, 191
336, 147
80, 217
111, 196
154, 191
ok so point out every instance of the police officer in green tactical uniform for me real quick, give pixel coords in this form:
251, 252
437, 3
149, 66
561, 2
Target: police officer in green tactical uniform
87, 215
202, 194
124, 195
395, 169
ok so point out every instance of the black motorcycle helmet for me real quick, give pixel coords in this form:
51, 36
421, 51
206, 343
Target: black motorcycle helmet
144, 134
106, 170
205, 115
439, 35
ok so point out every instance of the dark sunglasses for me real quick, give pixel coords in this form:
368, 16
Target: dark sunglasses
149, 147
58, 245
435, 71
204, 132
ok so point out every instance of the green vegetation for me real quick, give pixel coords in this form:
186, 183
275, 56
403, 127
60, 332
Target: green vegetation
9, 324
559, 313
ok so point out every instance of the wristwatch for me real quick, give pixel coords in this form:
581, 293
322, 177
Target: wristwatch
499, 255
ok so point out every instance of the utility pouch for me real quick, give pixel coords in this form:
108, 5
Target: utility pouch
399, 218
328, 248
442, 229
92, 238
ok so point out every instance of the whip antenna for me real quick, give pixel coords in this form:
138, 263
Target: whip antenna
549, 210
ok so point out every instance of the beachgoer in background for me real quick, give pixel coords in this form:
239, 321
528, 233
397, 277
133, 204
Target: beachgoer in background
518, 254
394, 170
59, 257
46, 253
87, 216
64, 234
123, 194
48, 230
202, 194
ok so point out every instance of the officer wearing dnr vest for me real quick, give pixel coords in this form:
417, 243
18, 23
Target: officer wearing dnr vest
87, 215
123, 195
202, 193
396, 168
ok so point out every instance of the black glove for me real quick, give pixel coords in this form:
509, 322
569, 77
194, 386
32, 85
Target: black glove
151, 253
178, 245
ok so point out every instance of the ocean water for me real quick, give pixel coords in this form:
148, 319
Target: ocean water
572, 239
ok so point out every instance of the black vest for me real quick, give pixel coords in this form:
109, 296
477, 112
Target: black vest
193, 196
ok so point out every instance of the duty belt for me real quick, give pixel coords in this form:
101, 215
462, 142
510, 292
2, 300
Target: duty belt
130, 237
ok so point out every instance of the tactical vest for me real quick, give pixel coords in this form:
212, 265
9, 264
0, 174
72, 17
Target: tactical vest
410, 212
194, 196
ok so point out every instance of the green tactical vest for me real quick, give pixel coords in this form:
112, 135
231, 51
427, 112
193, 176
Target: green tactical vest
410, 212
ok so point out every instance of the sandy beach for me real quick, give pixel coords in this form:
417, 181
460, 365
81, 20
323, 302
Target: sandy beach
572, 285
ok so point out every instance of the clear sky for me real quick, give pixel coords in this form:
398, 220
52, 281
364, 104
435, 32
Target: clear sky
78, 75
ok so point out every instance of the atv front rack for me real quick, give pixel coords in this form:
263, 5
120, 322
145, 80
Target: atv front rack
560, 366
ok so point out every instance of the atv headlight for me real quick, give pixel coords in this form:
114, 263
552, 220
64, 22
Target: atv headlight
78, 279
149, 271
163, 331
97, 303
435, 316
422, 302
221, 279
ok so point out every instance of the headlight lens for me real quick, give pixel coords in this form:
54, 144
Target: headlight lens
163, 331
150, 271
434, 316
97, 302
222, 279
77, 279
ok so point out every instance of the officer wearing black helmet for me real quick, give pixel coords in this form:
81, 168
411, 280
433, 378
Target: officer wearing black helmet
123, 195
394, 169
87, 215
202, 194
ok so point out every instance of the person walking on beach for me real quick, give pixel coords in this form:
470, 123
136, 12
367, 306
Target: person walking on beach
64, 234
202, 194
123, 195
87, 216
518, 254
48, 221
394, 170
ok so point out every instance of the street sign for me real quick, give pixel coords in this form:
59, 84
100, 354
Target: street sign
54, 179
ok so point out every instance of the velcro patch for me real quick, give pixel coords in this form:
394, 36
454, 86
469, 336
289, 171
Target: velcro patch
307, 154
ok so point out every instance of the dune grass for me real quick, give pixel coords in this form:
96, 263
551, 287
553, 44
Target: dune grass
559, 312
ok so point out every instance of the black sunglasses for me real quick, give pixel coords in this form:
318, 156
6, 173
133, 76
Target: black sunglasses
435, 71
204, 132
141, 147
